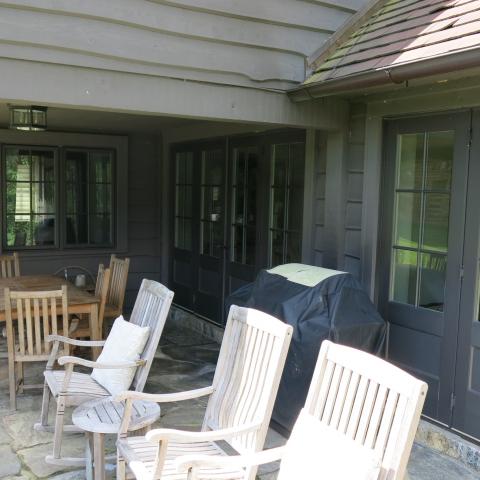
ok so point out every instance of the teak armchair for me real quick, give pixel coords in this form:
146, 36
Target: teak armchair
118, 284
9, 265
241, 398
101, 291
70, 388
29, 322
367, 401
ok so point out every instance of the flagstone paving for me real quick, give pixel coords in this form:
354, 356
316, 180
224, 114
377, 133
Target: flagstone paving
184, 360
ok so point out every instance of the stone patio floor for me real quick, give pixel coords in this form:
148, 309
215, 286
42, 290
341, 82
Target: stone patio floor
184, 360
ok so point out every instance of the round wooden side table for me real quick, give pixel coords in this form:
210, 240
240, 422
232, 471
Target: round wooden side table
104, 416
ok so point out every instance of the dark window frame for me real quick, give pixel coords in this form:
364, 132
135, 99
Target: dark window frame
60, 242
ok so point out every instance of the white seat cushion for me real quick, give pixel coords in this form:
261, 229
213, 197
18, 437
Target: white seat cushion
125, 343
317, 451
141, 455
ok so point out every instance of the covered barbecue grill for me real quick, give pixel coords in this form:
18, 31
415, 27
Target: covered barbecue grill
320, 304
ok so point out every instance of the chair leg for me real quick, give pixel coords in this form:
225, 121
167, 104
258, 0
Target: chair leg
20, 379
45, 404
59, 421
12, 383
120, 467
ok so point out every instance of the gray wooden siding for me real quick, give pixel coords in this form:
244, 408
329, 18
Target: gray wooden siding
248, 43
354, 191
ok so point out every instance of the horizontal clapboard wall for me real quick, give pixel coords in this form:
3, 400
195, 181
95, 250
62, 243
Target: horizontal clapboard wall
244, 43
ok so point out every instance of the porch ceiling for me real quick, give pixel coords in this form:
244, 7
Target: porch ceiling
87, 121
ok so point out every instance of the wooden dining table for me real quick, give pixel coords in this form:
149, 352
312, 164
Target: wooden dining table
79, 301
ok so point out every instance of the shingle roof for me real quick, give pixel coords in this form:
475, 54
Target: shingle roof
403, 32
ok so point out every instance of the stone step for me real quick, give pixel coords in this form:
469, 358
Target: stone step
449, 444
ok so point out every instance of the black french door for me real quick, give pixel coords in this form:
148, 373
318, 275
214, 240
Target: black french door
429, 259
236, 210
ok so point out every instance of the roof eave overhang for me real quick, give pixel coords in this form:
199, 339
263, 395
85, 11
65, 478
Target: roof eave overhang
393, 75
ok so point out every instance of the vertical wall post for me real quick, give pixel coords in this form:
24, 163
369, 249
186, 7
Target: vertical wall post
309, 199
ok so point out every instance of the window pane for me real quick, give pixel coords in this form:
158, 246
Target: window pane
437, 212
293, 253
76, 166
77, 198
410, 161
295, 209
89, 197
439, 160
17, 165
43, 198
77, 229
276, 248
207, 238
101, 167
102, 198
43, 230
100, 230
280, 164
278, 208
407, 219
432, 281
19, 232
212, 167
43, 169
404, 276
237, 244
297, 164
250, 244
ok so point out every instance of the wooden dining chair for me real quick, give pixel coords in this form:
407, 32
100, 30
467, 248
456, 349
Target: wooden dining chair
9, 265
241, 398
118, 284
101, 291
358, 407
70, 388
30, 318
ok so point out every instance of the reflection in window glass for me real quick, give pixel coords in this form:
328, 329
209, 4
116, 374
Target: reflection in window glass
286, 203
30, 197
89, 197
421, 220
183, 200
211, 231
244, 205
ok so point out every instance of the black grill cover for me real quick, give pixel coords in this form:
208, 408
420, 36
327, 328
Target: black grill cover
319, 304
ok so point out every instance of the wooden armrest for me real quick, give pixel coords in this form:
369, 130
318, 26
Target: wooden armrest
164, 397
185, 463
168, 434
78, 343
89, 364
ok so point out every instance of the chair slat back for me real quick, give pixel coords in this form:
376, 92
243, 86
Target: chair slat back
9, 266
101, 290
249, 368
370, 401
37, 315
118, 282
150, 310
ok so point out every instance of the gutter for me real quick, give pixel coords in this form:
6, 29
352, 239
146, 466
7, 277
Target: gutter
394, 75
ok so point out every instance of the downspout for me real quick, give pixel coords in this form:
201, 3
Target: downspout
388, 76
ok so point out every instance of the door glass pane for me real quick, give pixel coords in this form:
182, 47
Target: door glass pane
410, 158
432, 281
439, 161
404, 278
244, 205
183, 200
407, 219
211, 228
421, 220
435, 233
